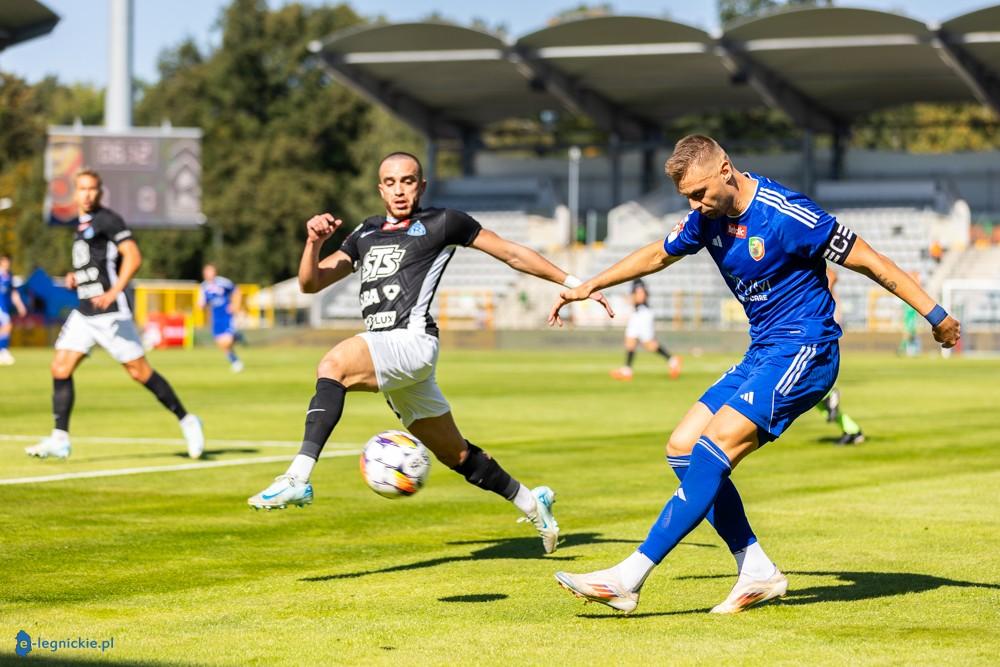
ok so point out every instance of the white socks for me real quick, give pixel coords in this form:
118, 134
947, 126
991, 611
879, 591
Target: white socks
302, 467
752, 562
524, 500
632, 571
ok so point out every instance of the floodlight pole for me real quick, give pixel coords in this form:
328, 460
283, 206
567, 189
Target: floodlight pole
118, 97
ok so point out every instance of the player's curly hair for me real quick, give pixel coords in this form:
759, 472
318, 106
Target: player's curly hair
690, 150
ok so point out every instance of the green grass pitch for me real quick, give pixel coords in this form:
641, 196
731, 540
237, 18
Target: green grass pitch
892, 547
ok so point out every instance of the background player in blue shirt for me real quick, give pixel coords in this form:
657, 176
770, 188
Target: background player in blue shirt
8, 297
771, 245
224, 299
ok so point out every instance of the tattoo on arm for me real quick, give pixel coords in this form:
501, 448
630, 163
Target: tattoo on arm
885, 282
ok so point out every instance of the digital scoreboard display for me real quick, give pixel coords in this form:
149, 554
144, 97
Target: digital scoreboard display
151, 176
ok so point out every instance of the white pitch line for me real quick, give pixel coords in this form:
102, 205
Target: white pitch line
173, 442
174, 468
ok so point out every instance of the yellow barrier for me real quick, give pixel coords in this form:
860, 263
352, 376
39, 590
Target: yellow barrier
180, 297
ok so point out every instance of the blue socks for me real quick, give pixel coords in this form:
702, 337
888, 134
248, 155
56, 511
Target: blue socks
691, 502
4, 342
727, 515
231, 355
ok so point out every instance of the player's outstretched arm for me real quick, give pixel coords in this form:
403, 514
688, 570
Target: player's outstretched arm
314, 274
526, 260
869, 262
642, 262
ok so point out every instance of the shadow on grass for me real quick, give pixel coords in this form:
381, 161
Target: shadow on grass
863, 586
207, 455
98, 659
212, 454
515, 548
835, 440
475, 597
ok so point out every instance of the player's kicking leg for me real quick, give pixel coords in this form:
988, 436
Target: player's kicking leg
728, 438
442, 437
404, 358
346, 367
751, 404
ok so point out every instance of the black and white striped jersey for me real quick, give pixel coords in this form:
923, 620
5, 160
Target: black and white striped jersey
401, 264
96, 259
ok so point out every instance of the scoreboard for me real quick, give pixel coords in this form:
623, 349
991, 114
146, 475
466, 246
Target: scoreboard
151, 176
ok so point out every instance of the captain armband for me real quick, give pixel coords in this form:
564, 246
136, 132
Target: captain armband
840, 244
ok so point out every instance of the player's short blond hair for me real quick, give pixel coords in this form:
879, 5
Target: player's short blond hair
87, 171
690, 150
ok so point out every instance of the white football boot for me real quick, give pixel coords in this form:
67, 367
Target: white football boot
749, 592
236, 366
54, 446
603, 586
6, 358
542, 518
284, 491
194, 435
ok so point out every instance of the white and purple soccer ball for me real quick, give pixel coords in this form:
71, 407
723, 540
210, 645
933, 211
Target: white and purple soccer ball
394, 464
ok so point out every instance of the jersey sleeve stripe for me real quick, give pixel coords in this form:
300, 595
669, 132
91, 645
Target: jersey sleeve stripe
789, 212
781, 199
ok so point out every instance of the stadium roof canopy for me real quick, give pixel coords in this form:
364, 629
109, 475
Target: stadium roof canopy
824, 67
21, 20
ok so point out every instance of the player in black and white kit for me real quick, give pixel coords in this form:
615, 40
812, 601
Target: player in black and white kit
641, 328
105, 257
401, 256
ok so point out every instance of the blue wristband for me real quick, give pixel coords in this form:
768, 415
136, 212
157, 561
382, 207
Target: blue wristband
936, 316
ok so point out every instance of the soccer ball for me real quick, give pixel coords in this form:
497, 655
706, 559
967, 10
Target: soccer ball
394, 464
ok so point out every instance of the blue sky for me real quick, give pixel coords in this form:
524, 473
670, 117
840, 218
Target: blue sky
76, 49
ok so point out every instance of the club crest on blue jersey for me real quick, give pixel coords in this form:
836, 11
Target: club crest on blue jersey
417, 229
756, 245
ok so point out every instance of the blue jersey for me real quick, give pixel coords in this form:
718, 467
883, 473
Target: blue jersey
773, 258
6, 287
218, 293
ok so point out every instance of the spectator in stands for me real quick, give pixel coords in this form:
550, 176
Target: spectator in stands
936, 251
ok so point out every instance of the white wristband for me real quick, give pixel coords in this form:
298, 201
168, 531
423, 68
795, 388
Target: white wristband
571, 281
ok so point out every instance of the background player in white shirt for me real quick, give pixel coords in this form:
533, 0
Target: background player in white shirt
641, 328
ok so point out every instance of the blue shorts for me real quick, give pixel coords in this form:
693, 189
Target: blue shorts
775, 383
223, 326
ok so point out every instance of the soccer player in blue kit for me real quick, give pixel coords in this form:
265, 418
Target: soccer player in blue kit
224, 298
8, 296
771, 245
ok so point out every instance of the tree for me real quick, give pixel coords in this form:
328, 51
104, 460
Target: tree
280, 142
731, 10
